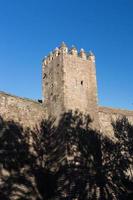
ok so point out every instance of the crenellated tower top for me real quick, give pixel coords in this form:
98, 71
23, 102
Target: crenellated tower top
63, 49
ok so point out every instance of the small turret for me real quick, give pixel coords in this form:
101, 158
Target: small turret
91, 56
56, 52
50, 56
44, 61
63, 48
74, 51
82, 54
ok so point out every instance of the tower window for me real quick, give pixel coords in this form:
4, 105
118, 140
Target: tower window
44, 76
81, 82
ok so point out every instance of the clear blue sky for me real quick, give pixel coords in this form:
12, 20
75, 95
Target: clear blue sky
30, 29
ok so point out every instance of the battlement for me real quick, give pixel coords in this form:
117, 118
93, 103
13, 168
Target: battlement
64, 50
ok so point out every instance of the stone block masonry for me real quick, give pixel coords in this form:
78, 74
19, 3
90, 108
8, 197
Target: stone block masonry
27, 112
109, 115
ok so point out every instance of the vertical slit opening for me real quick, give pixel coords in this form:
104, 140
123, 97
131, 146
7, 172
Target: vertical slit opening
81, 82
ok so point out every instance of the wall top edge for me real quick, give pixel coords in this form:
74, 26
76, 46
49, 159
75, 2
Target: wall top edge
2, 93
111, 110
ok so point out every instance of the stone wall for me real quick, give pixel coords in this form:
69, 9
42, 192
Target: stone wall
29, 113
108, 115
25, 111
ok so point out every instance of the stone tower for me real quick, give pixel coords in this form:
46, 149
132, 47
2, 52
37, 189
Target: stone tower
69, 82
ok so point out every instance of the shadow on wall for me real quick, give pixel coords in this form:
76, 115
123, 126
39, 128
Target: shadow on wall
67, 161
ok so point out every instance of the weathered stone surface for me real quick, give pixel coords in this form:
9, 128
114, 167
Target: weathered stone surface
53, 86
25, 111
109, 115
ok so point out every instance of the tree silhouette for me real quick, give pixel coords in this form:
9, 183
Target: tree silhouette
123, 131
18, 162
65, 160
